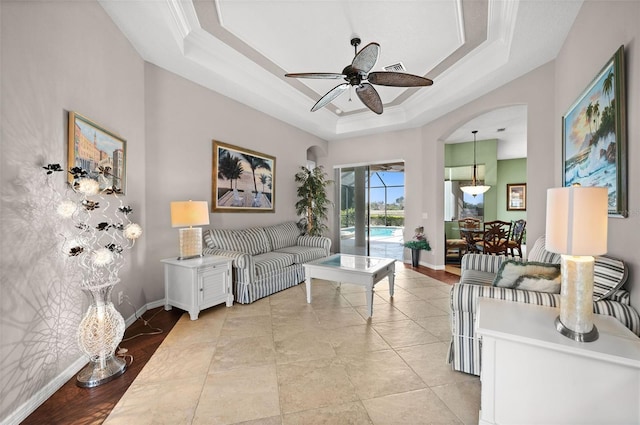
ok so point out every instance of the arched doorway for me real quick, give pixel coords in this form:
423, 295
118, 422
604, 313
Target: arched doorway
501, 155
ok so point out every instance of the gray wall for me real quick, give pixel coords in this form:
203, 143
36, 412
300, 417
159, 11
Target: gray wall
600, 28
182, 121
423, 152
61, 56
69, 56
56, 57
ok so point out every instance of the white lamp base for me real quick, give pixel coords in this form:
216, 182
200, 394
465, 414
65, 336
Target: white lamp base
190, 243
576, 299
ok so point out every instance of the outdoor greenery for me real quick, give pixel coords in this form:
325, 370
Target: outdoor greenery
313, 203
347, 219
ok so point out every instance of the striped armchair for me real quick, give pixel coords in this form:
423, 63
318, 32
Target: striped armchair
265, 259
478, 272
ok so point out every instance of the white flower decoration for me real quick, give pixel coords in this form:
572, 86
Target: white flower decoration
88, 186
66, 209
102, 257
133, 231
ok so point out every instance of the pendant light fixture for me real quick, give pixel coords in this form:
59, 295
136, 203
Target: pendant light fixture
474, 189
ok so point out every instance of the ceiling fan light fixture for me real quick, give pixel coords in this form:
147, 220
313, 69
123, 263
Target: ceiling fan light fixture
474, 188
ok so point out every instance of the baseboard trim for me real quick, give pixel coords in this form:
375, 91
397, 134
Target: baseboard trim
428, 265
139, 312
28, 407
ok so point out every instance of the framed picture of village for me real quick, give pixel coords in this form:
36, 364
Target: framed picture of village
594, 145
99, 152
242, 180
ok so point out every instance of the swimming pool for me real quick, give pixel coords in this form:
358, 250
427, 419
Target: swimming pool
375, 231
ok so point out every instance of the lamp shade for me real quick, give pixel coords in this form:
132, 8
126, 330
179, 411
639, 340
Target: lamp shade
189, 213
577, 220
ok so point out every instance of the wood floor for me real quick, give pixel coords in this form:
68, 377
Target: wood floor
72, 405
86, 406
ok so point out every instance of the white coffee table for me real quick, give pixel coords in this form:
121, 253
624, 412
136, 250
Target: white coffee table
354, 269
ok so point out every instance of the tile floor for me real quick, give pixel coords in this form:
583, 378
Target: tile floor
283, 361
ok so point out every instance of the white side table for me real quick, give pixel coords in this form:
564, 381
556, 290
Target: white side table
198, 283
532, 374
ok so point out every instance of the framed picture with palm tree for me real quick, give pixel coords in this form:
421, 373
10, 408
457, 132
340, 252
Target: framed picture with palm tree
594, 142
242, 180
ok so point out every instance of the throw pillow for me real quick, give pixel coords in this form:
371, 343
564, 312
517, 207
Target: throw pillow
529, 276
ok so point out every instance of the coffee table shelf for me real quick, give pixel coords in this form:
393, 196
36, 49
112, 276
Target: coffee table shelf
352, 269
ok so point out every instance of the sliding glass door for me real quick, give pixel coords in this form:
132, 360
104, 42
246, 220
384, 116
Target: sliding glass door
372, 210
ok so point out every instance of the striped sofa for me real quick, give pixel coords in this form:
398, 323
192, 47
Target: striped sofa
265, 259
478, 272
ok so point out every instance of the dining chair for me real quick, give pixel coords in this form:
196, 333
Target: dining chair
461, 246
495, 237
471, 238
468, 223
515, 240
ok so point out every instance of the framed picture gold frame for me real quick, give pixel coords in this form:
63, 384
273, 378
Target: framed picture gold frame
99, 152
242, 180
517, 197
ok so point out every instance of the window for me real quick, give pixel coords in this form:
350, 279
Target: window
458, 204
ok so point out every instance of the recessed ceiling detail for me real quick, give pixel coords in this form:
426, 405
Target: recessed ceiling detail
242, 49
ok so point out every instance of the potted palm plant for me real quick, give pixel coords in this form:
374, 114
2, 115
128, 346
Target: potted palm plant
418, 243
313, 203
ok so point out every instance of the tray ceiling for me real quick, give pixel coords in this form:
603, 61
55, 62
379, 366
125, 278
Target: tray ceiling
242, 49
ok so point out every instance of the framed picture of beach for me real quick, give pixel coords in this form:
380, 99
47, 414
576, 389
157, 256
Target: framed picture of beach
242, 180
99, 152
594, 143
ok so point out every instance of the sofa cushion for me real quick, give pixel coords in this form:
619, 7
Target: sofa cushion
271, 262
252, 241
477, 277
540, 254
533, 276
282, 235
609, 275
303, 254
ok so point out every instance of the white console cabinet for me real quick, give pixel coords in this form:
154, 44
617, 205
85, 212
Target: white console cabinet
531, 374
197, 283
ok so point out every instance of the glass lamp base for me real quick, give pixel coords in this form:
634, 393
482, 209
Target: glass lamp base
100, 372
590, 336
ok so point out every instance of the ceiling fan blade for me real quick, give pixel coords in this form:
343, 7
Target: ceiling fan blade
366, 58
398, 79
370, 97
320, 75
327, 98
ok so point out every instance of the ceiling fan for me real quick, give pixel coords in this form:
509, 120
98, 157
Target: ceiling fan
357, 74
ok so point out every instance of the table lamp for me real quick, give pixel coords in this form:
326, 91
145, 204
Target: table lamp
190, 213
577, 229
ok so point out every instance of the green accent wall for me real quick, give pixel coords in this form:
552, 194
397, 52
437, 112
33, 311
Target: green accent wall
458, 154
510, 171
497, 175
